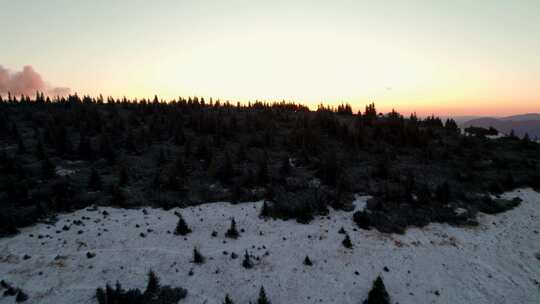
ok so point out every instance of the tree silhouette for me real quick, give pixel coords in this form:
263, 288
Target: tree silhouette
262, 297
181, 227
378, 293
232, 232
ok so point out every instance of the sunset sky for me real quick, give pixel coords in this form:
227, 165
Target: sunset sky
459, 57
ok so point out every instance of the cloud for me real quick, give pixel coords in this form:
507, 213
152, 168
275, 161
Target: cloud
27, 82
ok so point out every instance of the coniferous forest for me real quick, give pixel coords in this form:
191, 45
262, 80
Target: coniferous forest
68, 153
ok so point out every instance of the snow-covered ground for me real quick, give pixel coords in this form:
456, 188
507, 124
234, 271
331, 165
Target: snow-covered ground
496, 262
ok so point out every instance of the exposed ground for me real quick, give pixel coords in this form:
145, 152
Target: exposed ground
495, 262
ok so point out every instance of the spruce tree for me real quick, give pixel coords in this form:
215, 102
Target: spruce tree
232, 232
262, 172
347, 242
39, 150
265, 210
153, 283
118, 197
85, 148
228, 300
247, 263
94, 182
21, 148
123, 177
21, 296
262, 297
47, 169
378, 293
181, 227
285, 168
307, 261
198, 258
225, 172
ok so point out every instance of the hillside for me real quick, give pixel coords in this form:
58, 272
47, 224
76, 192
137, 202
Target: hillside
496, 262
65, 154
520, 124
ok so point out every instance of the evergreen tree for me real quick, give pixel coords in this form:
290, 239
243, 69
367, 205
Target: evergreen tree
182, 227
176, 175
442, 193
94, 182
347, 242
378, 293
153, 283
228, 300
262, 172
232, 232
118, 197
21, 148
48, 170
198, 258
39, 150
179, 136
85, 149
123, 177
285, 168
106, 149
265, 210
247, 263
21, 296
225, 172
262, 297
307, 261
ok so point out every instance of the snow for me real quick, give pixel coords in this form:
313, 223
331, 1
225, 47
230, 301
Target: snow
64, 172
493, 263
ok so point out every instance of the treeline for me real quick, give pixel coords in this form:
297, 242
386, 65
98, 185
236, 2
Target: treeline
70, 152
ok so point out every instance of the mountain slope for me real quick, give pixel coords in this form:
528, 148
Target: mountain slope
520, 124
494, 262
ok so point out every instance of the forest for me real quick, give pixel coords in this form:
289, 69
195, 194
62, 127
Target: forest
64, 154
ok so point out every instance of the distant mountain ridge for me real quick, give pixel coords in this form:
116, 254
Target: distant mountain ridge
523, 117
521, 124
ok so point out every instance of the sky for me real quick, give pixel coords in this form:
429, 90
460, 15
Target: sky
457, 57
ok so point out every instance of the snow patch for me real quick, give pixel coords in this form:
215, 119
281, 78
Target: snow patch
496, 262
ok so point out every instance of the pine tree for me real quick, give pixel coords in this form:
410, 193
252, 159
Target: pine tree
285, 168
232, 232
225, 172
247, 263
85, 149
265, 210
262, 297
442, 193
21, 296
307, 261
347, 242
153, 283
176, 175
47, 169
181, 228
198, 258
94, 182
118, 196
123, 177
228, 300
39, 150
262, 172
378, 293
21, 148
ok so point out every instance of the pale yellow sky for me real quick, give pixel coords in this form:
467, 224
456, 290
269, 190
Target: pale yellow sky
448, 58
